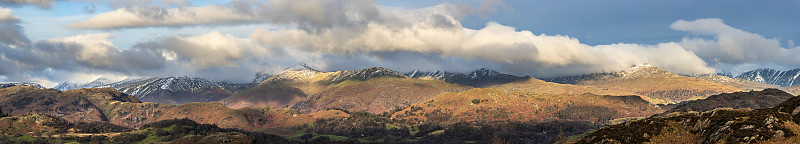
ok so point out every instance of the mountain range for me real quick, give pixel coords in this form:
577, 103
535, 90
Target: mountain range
380, 105
772, 76
168, 90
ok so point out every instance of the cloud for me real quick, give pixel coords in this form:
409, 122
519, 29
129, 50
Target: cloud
355, 34
147, 17
203, 51
45, 4
7, 16
433, 31
303, 14
730, 45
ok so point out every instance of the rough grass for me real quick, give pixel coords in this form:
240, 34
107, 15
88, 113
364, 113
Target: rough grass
660, 85
501, 105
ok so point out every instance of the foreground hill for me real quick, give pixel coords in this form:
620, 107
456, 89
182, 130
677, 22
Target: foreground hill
34, 128
769, 125
738, 100
653, 82
374, 89
109, 105
480, 104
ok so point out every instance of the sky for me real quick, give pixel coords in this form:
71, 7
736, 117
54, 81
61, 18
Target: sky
52, 41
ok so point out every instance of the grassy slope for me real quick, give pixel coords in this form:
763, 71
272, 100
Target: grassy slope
491, 104
540, 86
313, 91
660, 85
377, 95
795, 89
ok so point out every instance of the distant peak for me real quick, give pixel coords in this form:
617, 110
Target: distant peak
645, 70
300, 67
485, 71
378, 69
32, 84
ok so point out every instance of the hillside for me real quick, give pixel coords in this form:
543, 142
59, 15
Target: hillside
491, 104
109, 105
376, 95
373, 89
73, 105
769, 125
795, 89
738, 100
34, 128
653, 82
540, 86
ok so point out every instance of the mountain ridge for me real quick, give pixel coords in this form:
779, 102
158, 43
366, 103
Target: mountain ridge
478, 78
650, 81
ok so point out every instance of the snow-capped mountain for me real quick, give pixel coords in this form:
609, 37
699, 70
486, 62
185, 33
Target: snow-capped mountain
772, 76
261, 77
638, 71
142, 88
305, 73
5, 85
171, 89
365, 74
100, 82
477, 78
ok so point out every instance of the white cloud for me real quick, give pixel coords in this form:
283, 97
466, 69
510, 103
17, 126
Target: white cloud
432, 31
136, 17
730, 45
6, 16
733, 46
204, 51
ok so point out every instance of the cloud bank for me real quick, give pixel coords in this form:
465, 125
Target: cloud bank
733, 46
355, 34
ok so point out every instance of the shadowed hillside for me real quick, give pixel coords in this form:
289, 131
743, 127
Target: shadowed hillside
738, 100
109, 105
769, 125
36, 128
